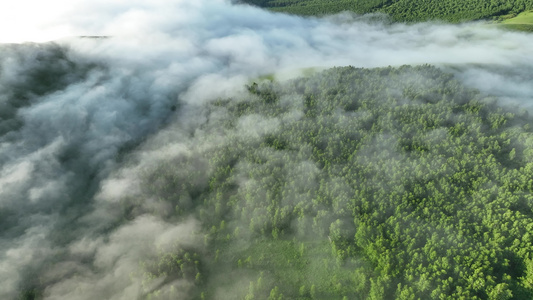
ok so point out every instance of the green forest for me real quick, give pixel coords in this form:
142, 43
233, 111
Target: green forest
404, 10
214, 150
351, 183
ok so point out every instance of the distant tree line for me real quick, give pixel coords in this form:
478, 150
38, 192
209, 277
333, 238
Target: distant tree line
403, 10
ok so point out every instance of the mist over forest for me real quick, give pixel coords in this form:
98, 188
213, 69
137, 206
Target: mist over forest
215, 150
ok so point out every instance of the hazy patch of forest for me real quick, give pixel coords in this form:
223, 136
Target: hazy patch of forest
387, 183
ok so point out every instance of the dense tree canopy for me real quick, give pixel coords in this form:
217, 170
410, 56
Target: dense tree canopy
403, 10
353, 184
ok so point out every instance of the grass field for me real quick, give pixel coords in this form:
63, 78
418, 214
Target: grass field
522, 22
300, 270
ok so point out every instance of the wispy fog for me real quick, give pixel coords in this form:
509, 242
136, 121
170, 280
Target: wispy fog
70, 110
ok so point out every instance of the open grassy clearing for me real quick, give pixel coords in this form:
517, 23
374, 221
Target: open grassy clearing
523, 18
522, 22
300, 270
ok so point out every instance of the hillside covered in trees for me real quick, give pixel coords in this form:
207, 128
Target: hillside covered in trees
212, 150
403, 10
386, 183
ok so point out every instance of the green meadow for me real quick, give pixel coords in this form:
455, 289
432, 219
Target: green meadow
522, 22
